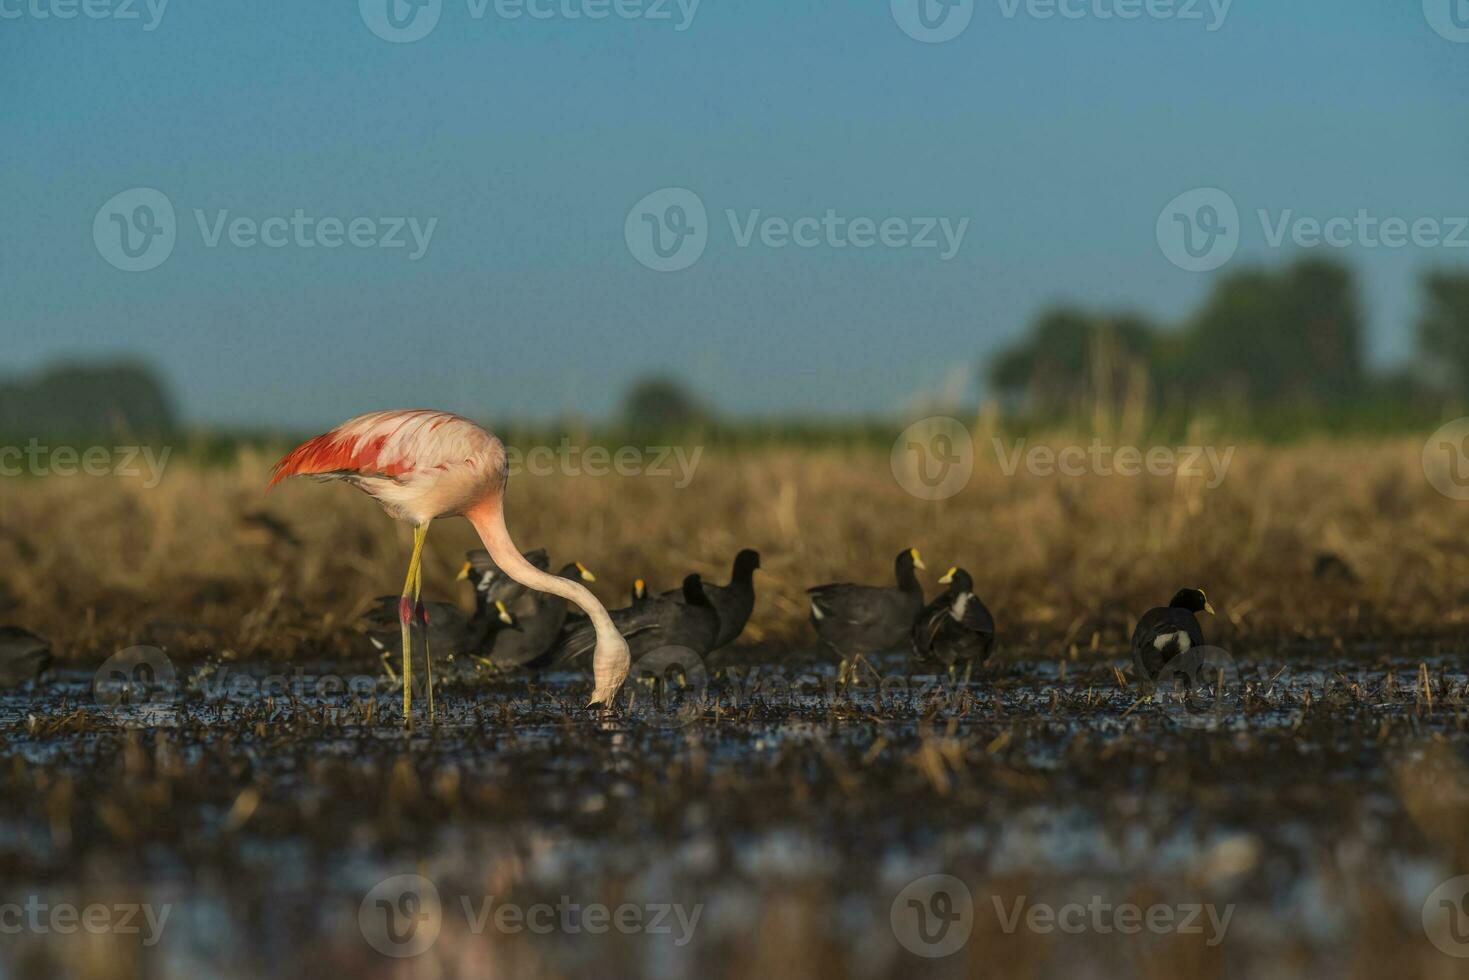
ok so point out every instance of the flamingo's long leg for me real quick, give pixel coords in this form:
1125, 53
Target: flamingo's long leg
405, 618
422, 612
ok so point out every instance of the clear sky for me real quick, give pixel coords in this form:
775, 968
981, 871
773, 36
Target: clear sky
530, 139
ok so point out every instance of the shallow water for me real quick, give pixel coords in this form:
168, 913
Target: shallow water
771, 821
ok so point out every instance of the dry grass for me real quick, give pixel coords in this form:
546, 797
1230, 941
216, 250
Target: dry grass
98, 563
1342, 803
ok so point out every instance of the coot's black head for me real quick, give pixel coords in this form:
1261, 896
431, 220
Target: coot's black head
959, 579
1193, 600
479, 577
693, 590
907, 560
576, 570
745, 563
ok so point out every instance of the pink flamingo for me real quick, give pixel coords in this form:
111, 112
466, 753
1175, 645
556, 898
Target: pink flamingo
421, 465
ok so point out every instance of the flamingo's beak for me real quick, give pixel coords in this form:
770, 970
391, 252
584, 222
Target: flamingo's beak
948, 576
917, 558
586, 574
505, 616
463, 573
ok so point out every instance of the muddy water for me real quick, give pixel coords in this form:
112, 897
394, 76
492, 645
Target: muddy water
754, 818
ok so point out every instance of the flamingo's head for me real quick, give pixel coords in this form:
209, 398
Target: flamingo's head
610, 664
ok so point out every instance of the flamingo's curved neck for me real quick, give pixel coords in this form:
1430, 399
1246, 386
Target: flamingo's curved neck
611, 660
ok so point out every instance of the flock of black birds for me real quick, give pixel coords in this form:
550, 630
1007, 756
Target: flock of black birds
516, 627
513, 627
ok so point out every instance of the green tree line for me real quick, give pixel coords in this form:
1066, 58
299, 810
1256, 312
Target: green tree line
1261, 341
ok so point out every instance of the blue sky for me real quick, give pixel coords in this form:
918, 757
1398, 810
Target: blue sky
530, 139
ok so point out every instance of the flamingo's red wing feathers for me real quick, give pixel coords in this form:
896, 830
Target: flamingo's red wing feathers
329, 454
353, 447
391, 444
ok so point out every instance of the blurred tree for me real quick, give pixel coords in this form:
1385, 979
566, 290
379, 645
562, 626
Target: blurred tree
1293, 336
1443, 329
661, 403
1274, 338
1073, 358
75, 399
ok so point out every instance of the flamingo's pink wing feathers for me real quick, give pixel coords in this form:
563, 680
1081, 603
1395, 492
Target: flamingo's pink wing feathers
389, 444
